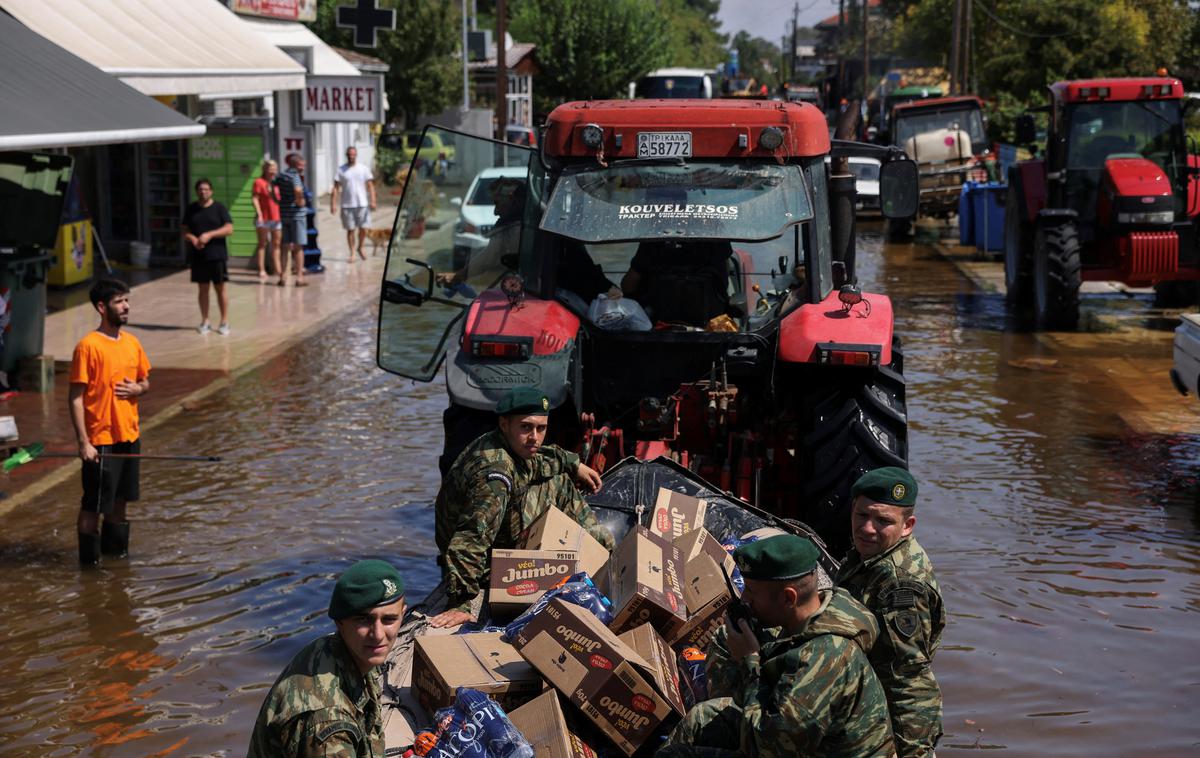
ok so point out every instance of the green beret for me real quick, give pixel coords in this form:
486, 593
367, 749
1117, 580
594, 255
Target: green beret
891, 485
778, 558
526, 401
365, 585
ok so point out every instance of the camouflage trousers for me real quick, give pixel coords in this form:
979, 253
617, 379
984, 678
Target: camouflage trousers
711, 729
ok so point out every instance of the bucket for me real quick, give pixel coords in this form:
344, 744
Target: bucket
139, 254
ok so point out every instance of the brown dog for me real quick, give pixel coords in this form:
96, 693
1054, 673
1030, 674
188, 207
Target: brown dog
379, 237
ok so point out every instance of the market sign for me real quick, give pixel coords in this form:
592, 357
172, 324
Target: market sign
288, 10
342, 98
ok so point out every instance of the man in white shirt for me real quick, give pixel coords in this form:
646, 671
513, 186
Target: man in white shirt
355, 187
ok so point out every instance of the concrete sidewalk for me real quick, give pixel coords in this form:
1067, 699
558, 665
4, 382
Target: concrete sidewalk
265, 319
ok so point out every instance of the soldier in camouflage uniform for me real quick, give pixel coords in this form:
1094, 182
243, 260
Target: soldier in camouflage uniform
888, 572
808, 690
502, 483
327, 700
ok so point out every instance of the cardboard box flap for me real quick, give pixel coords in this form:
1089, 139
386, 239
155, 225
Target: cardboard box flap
481, 661
497, 660
662, 670
555, 530
544, 726
676, 514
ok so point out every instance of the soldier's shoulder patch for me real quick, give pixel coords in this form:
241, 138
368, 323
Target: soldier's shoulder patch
327, 730
500, 476
906, 622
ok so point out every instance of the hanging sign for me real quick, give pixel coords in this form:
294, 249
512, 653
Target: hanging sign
342, 98
366, 20
287, 10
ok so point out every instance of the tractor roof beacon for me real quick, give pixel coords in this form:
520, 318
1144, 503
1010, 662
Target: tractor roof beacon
782, 393
1113, 198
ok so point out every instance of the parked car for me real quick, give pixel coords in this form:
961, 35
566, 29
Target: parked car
1185, 374
477, 212
395, 150
520, 135
866, 181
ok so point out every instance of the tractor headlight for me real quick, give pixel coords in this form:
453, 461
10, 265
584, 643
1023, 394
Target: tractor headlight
1151, 217
592, 136
770, 138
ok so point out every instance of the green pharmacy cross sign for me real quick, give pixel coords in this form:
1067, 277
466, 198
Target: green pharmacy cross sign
366, 20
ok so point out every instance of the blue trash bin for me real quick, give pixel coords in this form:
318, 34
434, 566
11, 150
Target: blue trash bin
988, 212
966, 214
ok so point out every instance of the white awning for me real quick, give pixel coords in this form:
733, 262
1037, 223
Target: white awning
86, 107
290, 34
164, 47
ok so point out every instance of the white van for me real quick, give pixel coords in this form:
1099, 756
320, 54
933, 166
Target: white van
673, 83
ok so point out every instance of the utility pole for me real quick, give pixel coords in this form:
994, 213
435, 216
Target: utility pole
501, 70
954, 48
966, 53
792, 57
841, 77
466, 56
866, 14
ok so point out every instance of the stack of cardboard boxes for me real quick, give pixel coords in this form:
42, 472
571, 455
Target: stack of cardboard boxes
668, 592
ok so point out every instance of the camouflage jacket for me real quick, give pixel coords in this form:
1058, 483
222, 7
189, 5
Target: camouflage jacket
490, 498
320, 706
900, 589
813, 692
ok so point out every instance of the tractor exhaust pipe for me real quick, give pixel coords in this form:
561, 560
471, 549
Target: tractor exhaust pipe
841, 199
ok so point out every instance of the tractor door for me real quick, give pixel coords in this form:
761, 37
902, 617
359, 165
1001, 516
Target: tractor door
460, 224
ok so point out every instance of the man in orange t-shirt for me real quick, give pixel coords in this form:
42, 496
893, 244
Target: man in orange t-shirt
109, 372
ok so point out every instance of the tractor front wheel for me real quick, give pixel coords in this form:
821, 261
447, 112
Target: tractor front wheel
1017, 264
1056, 276
854, 425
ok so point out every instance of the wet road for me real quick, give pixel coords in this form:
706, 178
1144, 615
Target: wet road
1065, 536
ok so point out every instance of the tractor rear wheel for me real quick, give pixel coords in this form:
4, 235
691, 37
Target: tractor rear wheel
852, 427
1017, 243
899, 229
1056, 276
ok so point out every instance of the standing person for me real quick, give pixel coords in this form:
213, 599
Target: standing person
326, 702
265, 197
807, 688
293, 217
498, 486
889, 573
109, 372
355, 187
206, 224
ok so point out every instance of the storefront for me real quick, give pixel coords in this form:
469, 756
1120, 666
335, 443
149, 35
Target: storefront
219, 76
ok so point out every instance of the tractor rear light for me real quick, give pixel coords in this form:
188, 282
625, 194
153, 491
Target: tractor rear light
1164, 89
1085, 91
499, 348
1148, 90
1152, 217
842, 354
1102, 91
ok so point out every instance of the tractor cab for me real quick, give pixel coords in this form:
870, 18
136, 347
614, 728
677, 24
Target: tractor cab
1114, 197
657, 271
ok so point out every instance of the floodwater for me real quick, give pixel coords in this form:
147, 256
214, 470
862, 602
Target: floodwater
1065, 538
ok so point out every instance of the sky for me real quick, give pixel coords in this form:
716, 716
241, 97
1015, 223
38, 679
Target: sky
770, 19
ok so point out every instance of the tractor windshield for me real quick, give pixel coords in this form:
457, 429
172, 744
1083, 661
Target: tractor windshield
1148, 129
970, 120
701, 200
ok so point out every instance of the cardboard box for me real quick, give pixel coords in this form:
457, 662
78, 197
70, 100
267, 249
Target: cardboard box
707, 598
441, 664
556, 530
676, 514
542, 723
519, 578
693, 543
663, 667
604, 677
644, 580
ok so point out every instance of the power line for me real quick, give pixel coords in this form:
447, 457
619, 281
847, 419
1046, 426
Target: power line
1015, 30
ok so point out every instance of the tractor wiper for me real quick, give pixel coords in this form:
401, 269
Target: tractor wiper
670, 161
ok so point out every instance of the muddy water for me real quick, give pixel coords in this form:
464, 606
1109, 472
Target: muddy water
1066, 542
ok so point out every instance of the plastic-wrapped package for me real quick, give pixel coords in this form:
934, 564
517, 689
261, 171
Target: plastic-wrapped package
474, 727
731, 544
578, 589
619, 314
693, 680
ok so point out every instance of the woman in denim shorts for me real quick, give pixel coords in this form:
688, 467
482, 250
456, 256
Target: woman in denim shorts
266, 218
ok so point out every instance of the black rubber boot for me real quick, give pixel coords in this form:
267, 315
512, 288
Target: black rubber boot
89, 549
114, 539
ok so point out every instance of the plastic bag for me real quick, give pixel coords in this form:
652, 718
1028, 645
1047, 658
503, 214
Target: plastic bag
693, 679
475, 727
578, 589
618, 314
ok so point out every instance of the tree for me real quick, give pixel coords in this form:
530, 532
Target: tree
587, 49
692, 36
758, 58
426, 73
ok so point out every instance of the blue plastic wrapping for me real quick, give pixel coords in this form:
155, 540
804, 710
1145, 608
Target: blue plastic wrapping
578, 589
476, 727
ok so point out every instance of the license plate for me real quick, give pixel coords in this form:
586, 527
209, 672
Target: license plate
664, 145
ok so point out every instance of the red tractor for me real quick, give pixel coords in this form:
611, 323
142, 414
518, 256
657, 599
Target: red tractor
1113, 197
677, 276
